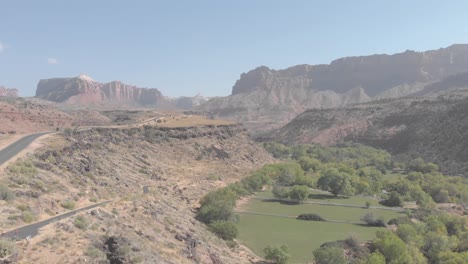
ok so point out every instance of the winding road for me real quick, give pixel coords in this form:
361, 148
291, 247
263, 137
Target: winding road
15, 148
33, 229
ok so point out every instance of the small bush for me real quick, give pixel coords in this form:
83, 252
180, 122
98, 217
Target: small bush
28, 217
373, 220
310, 217
224, 229
6, 194
70, 205
6, 248
393, 200
279, 255
23, 207
95, 253
81, 222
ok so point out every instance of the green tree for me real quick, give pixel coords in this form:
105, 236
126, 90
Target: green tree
277, 254
217, 205
393, 200
374, 258
392, 247
299, 193
226, 230
329, 255
338, 183
280, 192
448, 257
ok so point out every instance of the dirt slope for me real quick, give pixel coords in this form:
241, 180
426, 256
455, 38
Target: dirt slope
154, 177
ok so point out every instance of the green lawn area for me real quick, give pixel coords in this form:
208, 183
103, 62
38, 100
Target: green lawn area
303, 237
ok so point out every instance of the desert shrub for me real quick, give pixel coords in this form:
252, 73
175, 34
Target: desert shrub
310, 217
23, 168
6, 194
68, 204
28, 217
6, 248
224, 229
279, 254
23, 207
94, 253
81, 222
373, 220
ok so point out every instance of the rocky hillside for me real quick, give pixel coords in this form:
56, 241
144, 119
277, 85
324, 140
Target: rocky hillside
20, 115
84, 91
266, 98
8, 92
434, 129
153, 178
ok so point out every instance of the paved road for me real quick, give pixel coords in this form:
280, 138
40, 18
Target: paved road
16, 147
33, 229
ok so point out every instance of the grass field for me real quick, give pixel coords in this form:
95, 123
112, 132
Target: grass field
303, 237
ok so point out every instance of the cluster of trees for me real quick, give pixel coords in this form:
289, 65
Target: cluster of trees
352, 169
217, 207
435, 238
355, 169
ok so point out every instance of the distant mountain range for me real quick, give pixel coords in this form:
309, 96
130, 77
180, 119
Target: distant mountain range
265, 98
83, 90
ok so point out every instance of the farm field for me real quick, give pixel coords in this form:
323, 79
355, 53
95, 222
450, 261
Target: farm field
303, 237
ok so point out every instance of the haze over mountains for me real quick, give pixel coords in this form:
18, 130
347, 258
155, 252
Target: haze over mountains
266, 98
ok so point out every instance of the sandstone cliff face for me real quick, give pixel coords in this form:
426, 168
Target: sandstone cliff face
8, 92
267, 98
83, 90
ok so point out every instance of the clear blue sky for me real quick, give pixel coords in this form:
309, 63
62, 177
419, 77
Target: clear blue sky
187, 47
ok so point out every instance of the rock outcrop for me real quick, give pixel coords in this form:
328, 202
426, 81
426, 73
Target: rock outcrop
8, 92
267, 98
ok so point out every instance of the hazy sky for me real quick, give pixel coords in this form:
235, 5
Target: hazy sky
189, 47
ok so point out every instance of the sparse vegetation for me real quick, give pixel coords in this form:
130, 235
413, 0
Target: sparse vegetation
6, 248
6, 194
81, 222
68, 204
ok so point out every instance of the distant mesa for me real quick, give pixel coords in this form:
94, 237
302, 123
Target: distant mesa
84, 90
8, 92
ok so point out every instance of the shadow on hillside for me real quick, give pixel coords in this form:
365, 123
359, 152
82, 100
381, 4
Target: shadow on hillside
260, 262
321, 196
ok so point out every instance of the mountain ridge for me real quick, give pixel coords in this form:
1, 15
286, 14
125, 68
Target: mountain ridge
267, 99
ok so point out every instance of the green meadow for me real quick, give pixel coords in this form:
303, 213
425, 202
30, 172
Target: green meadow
303, 237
